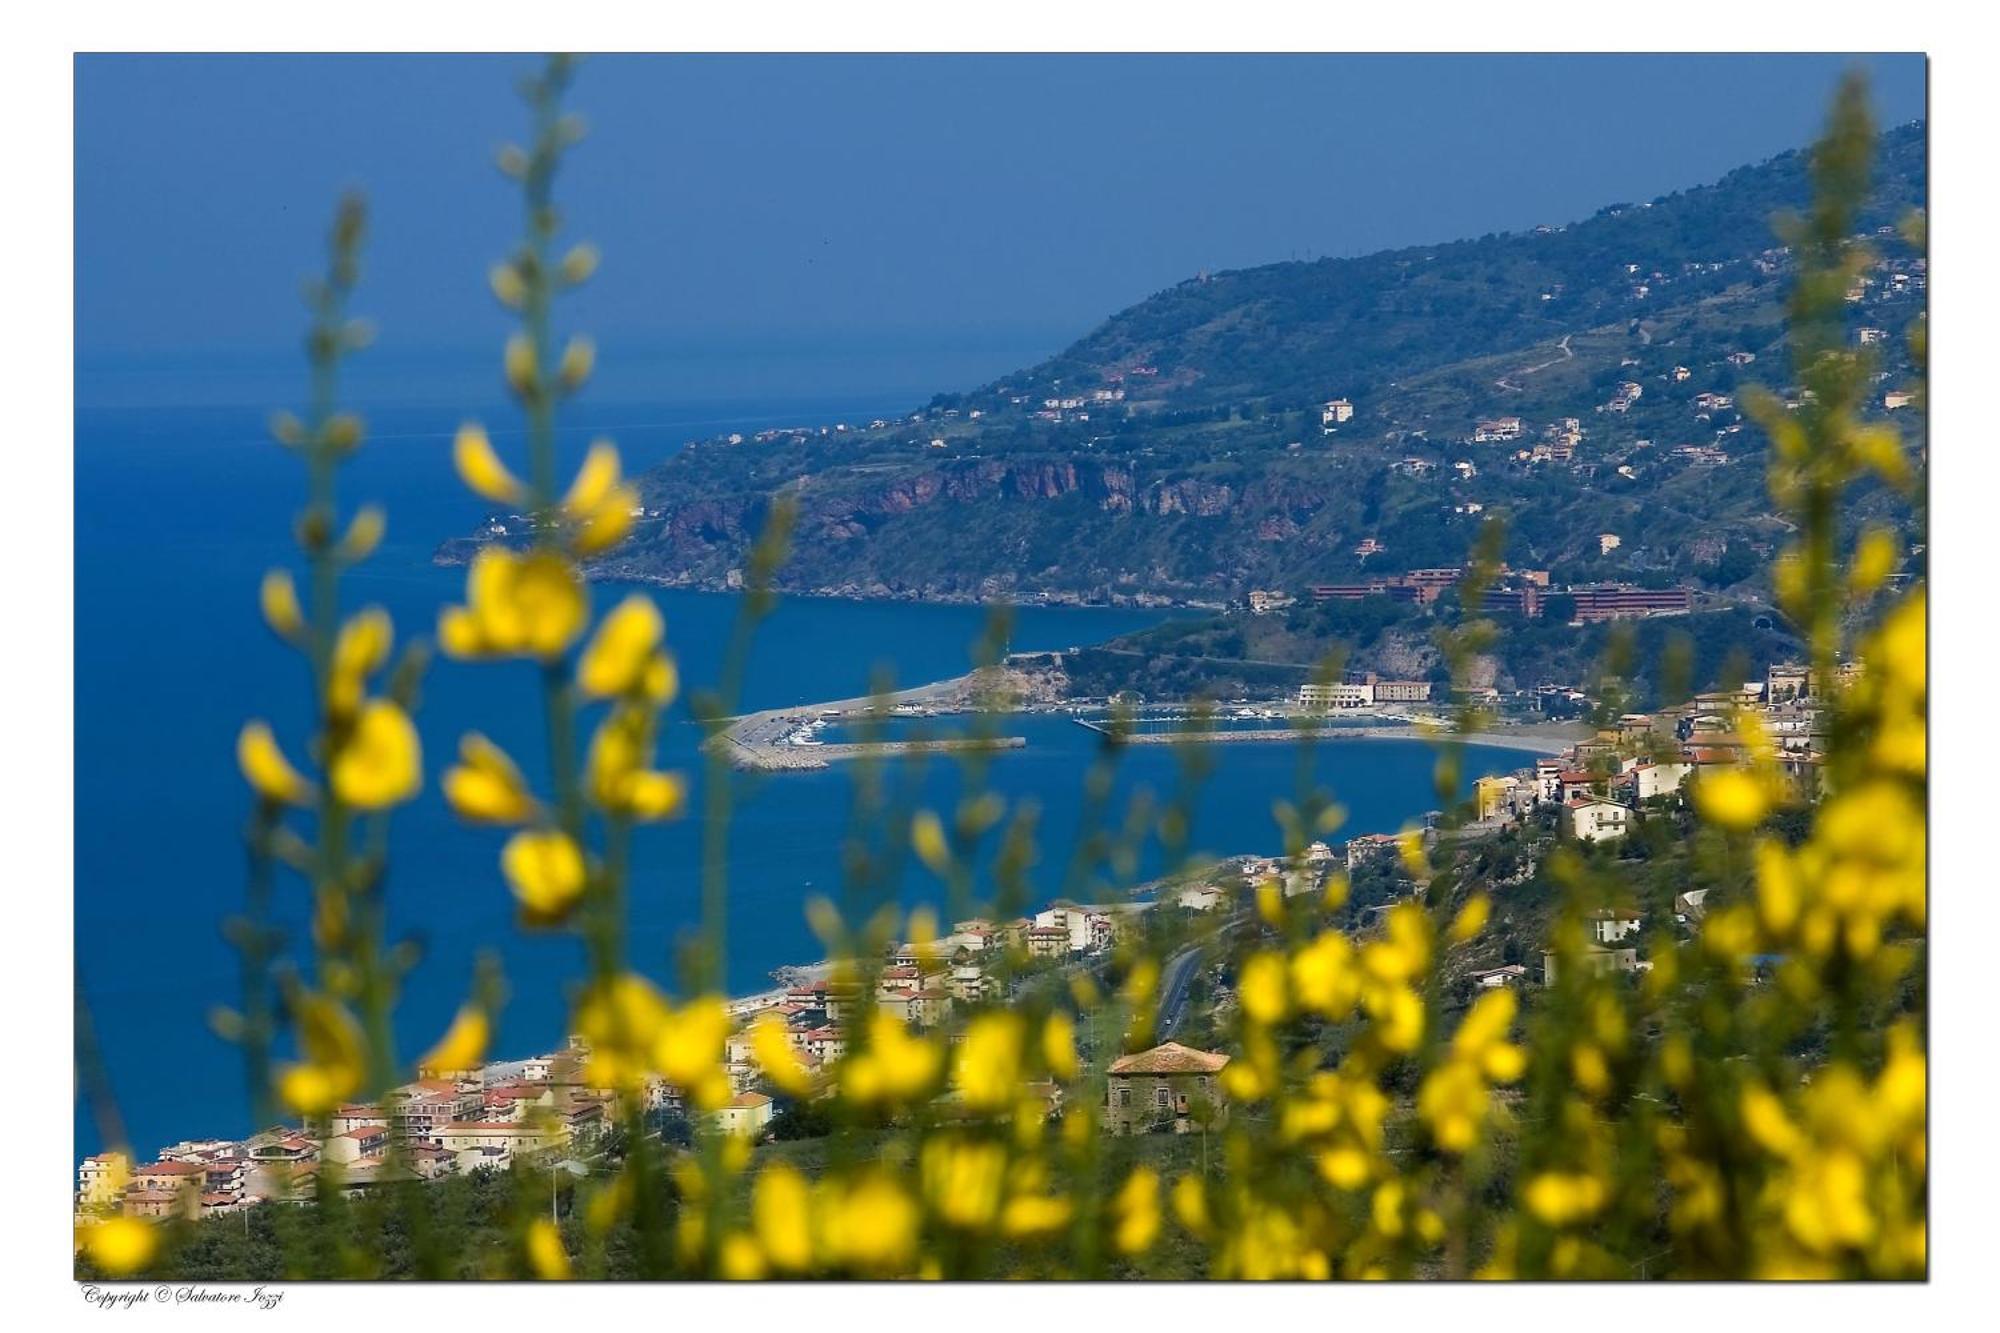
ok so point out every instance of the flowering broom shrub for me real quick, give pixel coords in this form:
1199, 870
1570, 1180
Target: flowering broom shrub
1750, 1105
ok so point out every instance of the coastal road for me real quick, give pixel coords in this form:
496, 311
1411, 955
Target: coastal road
1175, 978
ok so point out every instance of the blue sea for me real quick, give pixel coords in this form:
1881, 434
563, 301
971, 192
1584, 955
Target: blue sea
180, 510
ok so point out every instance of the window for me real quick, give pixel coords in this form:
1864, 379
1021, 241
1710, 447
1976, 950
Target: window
1160, 1096
1124, 1096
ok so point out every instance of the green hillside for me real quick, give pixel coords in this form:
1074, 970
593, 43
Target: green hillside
1177, 454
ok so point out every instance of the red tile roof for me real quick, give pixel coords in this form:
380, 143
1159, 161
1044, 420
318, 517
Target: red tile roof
1170, 1058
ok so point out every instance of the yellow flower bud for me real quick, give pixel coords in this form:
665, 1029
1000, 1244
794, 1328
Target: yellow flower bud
341, 433
579, 356
1137, 1209
594, 480
579, 264
359, 650
364, 534
463, 1045
927, 838
519, 362
507, 285
267, 770
279, 599
1471, 918
547, 1259
480, 468
1875, 558
1059, 1045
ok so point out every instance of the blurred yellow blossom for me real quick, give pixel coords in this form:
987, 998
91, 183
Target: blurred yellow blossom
486, 786
267, 770
516, 605
617, 658
545, 868
480, 468
546, 1257
382, 762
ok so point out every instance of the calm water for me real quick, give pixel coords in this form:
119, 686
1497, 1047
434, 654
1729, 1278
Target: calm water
179, 512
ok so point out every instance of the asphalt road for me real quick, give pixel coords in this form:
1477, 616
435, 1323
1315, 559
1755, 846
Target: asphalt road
1174, 980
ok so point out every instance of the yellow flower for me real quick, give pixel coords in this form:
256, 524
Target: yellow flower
1137, 1210
1561, 1198
1190, 1200
1471, 918
594, 481
989, 1061
359, 650
869, 1224
279, 600
1399, 1017
927, 837
121, 1246
1875, 557
688, 1051
609, 522
1732, 798
480, 468
964, 1180
486, 786
363, 535
1261, 986
739, 1259
1826, 1206
655, 796
382, 762
1059, 1045
1452, 1101
463, 1045
781, 1213
529, 605
621, 1022
547, 1259
617, 658
335, 1058
545, 868
1028, 1216
1323, 975
615, 772
772, 1047
267, 770
897, 1066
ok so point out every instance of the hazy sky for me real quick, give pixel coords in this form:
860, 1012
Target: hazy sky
794, 225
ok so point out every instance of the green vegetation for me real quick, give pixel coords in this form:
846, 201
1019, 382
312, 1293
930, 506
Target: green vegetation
1205, 472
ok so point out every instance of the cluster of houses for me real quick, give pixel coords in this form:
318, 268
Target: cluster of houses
455, 1121
502, 1113
1601, 785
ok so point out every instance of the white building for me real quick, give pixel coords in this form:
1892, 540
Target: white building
1592, 820
1608, 925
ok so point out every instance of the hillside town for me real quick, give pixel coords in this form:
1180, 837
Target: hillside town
543, 1108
